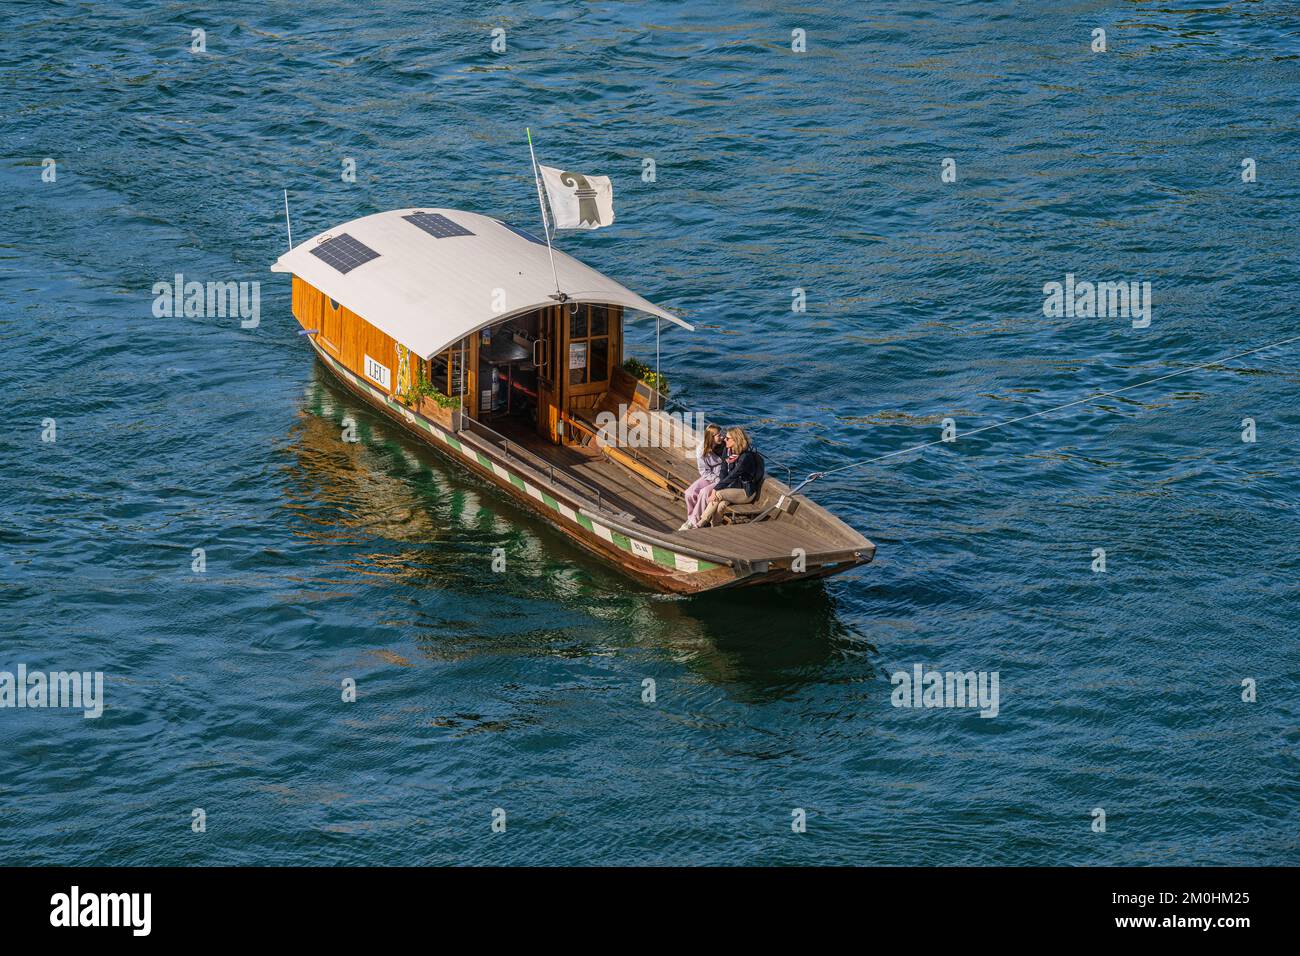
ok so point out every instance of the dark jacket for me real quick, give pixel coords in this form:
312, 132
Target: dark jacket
745, 472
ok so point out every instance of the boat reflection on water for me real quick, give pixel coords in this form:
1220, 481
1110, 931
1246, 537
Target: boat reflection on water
392, 511
378, 487
768, 640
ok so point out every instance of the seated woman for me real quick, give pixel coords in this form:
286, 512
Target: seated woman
709, 459
741, 479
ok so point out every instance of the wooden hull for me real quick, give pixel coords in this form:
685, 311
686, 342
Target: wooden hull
648, 558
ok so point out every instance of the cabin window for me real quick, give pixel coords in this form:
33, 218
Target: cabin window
445, 370
589, 345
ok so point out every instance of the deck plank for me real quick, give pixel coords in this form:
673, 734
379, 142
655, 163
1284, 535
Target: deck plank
619, 488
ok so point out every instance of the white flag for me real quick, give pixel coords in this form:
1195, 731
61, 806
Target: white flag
578, 201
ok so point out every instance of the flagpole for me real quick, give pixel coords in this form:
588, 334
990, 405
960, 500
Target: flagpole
542, 206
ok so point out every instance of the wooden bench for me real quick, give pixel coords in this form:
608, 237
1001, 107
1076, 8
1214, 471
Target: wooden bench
785, 504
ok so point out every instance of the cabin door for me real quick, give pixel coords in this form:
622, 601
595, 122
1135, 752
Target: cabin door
550, 374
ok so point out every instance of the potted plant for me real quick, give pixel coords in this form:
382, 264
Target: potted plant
656, 381
426, 399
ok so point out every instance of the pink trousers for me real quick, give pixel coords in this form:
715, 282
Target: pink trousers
697, 496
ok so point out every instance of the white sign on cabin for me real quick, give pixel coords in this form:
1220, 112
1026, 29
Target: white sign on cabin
378, 373
577, 355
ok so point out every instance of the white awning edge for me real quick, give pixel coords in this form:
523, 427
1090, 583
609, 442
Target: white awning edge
428, 293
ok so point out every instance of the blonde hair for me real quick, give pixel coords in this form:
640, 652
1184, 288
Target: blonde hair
740, 438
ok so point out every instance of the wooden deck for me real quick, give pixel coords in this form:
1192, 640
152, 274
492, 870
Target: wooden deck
764, 541
812, 530
619, 488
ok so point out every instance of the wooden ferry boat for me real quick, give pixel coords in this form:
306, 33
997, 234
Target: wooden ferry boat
449, 323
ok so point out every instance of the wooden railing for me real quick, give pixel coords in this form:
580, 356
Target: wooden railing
512, 449
627, 456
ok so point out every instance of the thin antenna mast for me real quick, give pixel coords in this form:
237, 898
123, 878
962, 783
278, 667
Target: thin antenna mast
287, 224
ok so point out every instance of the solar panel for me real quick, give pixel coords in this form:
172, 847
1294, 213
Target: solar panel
344, 253
524, 233
437, 225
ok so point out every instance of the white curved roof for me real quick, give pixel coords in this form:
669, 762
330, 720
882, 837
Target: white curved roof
429, 292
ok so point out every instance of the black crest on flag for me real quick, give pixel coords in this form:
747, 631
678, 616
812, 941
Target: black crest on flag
588, 212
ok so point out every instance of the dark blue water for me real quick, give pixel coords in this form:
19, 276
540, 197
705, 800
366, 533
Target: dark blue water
775, 171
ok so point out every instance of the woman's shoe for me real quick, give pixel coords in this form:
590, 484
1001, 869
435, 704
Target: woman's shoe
686, 526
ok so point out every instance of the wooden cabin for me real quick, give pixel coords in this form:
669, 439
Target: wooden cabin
450, 323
